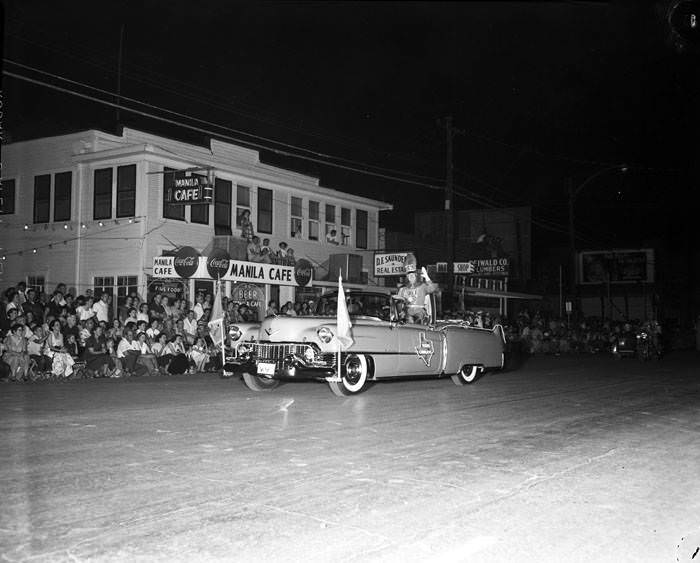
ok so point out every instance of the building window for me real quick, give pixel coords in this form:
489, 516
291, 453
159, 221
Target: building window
242, 202
222, 207
7, 197
345, 227
102, 198
199, 213
103, 284
62, 189
171, 210
126, 191
126, 285
297, 217
331, 229
265, 211
42, 198
37, 283
361, 229
313, 220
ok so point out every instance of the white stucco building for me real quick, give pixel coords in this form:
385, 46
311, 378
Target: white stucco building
87, 209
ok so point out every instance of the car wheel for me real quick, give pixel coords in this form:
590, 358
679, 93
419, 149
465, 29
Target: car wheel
353, 378
257, 383
467, 374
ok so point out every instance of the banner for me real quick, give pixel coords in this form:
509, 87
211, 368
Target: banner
617, 266
225, 269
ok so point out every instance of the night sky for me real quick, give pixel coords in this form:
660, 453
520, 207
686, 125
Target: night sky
538, 92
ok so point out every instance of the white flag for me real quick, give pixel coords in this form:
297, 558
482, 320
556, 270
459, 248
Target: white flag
344, 326
216, 320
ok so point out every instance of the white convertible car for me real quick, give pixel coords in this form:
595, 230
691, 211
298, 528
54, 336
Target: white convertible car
385, 347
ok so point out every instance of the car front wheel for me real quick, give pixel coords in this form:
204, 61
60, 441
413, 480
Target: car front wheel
466, 375
353, 378
257, 383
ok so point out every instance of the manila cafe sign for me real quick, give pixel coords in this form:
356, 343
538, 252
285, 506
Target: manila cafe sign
237, 271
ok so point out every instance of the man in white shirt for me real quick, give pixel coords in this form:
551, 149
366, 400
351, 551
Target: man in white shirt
101, 308
198, 307
190, 327
128, 351
85, 311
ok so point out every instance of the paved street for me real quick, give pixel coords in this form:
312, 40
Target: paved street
563, 459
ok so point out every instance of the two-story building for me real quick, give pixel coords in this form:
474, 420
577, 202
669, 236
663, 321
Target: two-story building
90, 210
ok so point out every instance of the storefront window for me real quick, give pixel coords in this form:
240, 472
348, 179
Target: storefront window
170, 210
297, 218
264, 211
361, 229
126, 191
222, 207
345, 227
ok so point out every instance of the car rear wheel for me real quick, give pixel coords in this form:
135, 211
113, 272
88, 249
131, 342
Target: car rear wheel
466, 375
353, 378
257, 383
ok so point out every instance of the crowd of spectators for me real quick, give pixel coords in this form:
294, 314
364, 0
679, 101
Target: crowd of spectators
56, 335
539, 333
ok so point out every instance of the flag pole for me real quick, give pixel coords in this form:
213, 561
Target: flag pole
340, 294
223, 333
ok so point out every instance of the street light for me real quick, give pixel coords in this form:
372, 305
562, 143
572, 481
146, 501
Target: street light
572, 199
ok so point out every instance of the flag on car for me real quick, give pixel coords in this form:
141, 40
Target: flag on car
216, 320
344, 326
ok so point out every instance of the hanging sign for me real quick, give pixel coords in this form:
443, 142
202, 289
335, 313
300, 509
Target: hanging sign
483, 267
186, 262
392, 263
164, 267
188, 189
218, 263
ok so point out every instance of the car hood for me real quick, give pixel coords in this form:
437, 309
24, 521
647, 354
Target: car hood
286, 329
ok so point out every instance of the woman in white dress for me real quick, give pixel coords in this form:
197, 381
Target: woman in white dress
61, 361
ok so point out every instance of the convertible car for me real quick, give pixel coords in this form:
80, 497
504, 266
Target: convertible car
384, 347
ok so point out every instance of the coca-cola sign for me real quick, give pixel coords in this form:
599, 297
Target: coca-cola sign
217, 263
186, 262
303, 271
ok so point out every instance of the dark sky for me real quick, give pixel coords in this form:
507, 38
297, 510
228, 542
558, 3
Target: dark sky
539, 92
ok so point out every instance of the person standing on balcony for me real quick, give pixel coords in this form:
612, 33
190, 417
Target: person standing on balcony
247, 231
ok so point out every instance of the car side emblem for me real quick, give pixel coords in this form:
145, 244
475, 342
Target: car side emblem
425, 349
270, 331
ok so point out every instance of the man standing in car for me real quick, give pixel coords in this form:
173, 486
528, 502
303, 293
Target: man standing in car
414, 293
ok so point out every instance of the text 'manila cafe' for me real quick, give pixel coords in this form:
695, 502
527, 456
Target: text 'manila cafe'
251, 283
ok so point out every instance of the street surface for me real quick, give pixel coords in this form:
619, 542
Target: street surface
562, 459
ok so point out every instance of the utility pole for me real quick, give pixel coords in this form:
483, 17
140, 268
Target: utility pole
449, 192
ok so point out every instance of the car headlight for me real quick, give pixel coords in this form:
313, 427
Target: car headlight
325, 334
234, 333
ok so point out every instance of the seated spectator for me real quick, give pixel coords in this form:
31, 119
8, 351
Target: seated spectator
128, 352
97, 358
179, 362
147, 358
61, 361
332, 237
282, 252
84, 311
35, 349
15, 353
199, 355
291, 259
142, 314
254, 252
160, 350
190, 328
271, 308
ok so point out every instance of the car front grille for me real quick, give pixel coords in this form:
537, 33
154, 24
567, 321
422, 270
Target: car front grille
276, 352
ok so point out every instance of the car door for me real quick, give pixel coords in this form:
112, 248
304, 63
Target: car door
380, 340
420, 350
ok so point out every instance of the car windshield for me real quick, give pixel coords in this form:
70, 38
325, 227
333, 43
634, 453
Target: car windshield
359, 304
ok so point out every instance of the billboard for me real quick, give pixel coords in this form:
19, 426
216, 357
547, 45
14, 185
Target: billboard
391, 263
616, 266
